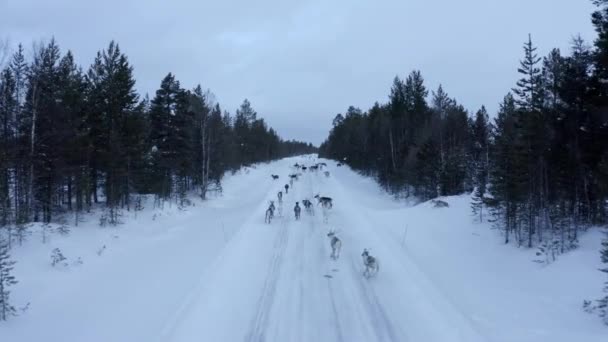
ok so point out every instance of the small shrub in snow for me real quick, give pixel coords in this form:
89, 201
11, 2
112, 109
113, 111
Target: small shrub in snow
63, 229
110, 216
440, 204
6, 281
78, 262
103, 220
21, 233
114, 215
58, 258
603, 303
45, 227
547, 252
101, 250
184, 203
139, 204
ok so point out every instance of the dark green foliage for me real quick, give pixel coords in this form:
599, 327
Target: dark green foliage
70, 140
409, 147
539, 169
480, 156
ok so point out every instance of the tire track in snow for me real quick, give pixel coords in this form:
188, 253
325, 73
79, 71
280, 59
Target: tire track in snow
323, 251
410, 265
334, 310
467, 329
189, 299
381, 324
265, 301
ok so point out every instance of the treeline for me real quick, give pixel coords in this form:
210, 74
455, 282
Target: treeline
71, 138
540, 167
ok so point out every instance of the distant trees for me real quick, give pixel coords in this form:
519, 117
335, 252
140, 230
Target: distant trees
411, 147
539, 168
72, 139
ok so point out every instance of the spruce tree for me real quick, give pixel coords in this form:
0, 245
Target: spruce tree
243, 121
481, 160
42, 112
505, 174
533, 127
529, 88
8, 109
19, 70
163, 106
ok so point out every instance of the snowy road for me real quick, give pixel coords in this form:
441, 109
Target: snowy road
217, 272
277, 283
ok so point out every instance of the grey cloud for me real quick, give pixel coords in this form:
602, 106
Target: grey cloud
301, 62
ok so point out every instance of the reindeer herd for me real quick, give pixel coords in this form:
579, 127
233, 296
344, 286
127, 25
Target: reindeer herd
370, 263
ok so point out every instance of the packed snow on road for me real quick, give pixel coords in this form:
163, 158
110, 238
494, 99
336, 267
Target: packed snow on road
216, 271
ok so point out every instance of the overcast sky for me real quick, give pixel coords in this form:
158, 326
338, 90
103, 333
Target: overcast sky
302, 62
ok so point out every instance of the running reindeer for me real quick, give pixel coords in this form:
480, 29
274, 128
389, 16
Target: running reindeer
325, 202
308, 206
335, 243
297, 210
371, 264
269, 213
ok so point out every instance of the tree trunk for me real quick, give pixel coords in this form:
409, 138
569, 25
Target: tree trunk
30, 190
70, 193
392, 150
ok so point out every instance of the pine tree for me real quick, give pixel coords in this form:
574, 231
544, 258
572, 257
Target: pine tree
8, 109
6, 281
533, 127
72, 150
428, 170
454, 178
505, 173
181, 141
441, 104
417, 109
245, 116
42, 112
19, 71
552, 72
529, 88
163, 106
65, 136
481, 160
600, 20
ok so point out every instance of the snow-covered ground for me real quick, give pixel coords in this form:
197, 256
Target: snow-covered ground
217, 272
